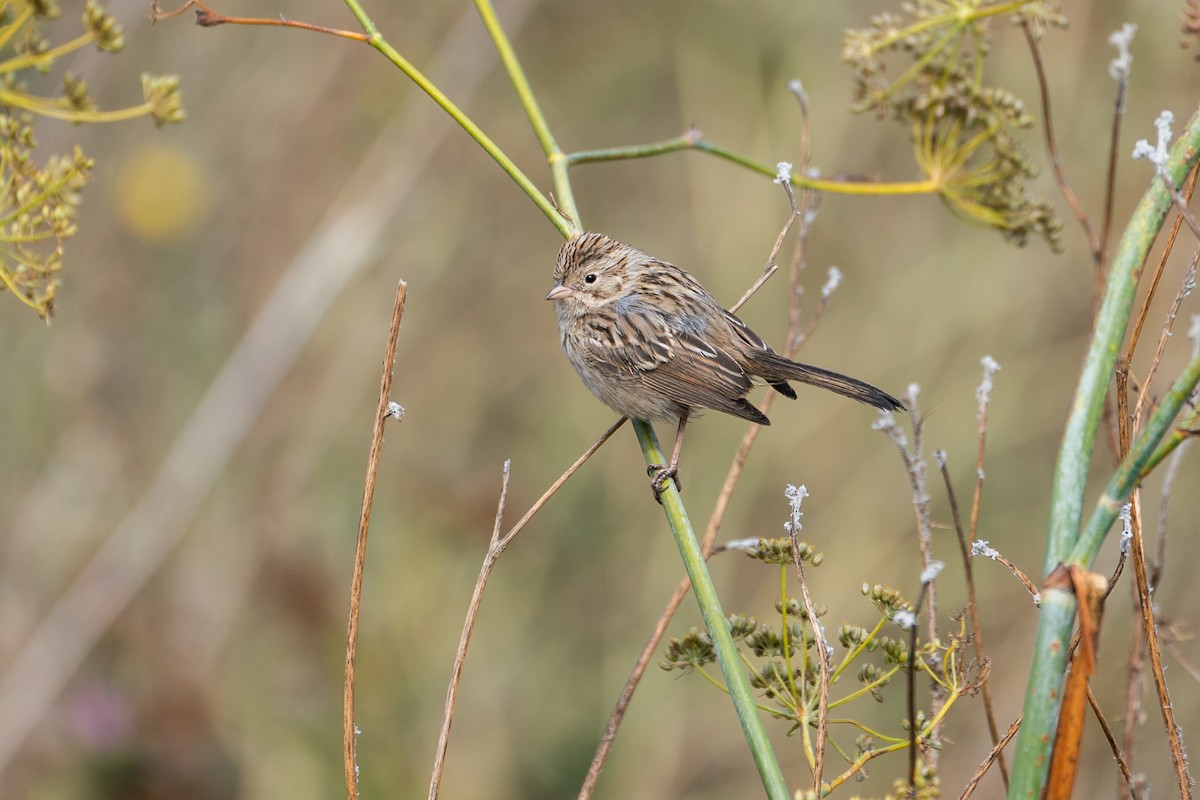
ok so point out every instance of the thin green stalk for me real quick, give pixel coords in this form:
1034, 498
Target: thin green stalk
1180, 434
692, 140
718, 626
685, 142
554, 154
376, 40
816, 184
1132, 468
1044, 692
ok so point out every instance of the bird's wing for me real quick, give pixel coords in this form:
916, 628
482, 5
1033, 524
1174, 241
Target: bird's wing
674, 358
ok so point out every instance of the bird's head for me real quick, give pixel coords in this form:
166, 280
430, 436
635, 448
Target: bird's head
593, 270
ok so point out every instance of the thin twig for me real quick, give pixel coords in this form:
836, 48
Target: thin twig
911, 687
1168, 247
772, 266
1189, 285
1052, 152
631, 684
1169, 476
972, 606
823, 653
983, 396
914, 463
1122, 763
495, 548
1110, 178
982, 548
1181, 206
972, 784
571, 470
208, 17
382, 414
1150, 631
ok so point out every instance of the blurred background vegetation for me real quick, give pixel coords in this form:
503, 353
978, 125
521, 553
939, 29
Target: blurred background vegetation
222, 677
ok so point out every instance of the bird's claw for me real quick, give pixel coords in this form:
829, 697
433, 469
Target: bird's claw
658, 478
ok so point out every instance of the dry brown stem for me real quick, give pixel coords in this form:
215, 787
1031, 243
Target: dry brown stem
382, 414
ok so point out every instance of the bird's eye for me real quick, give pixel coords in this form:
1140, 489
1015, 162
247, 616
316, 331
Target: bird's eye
590, 278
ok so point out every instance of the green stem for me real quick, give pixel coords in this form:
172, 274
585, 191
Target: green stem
692, 140
816, 184
685, 142
1043, 695
718, 626
1178, 436
1044, 692
44, 58
376, 40
1133, 467
554, 154
57, 109
1070, 476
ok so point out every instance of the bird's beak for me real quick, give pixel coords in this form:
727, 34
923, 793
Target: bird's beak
559, 292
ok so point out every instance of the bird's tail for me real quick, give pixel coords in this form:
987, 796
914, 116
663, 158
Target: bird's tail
778, 370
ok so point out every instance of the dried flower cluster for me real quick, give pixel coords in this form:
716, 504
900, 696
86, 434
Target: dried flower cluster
961, 129
40, 199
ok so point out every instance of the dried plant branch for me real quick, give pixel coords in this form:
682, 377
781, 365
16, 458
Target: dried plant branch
1150, 631
495, 549
1094, 242
914, 464
1169, 476
208, 17
1118, 754
972, 784
1181, 205
772, 265
823, 653
1168, 247
498, 544
1114, 144
972, 608
1189, 285
981, 548
631, 684
910, 690
384, 411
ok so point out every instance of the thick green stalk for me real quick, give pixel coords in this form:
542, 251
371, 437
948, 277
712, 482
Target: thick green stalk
1044, 692
1070, 476
718, 626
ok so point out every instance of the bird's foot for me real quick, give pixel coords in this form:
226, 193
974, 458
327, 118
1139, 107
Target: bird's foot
659, 475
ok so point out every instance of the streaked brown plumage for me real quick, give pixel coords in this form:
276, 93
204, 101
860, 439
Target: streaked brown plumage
650, 342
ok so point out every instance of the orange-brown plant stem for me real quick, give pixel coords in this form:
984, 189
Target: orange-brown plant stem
350, 760
208, 17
